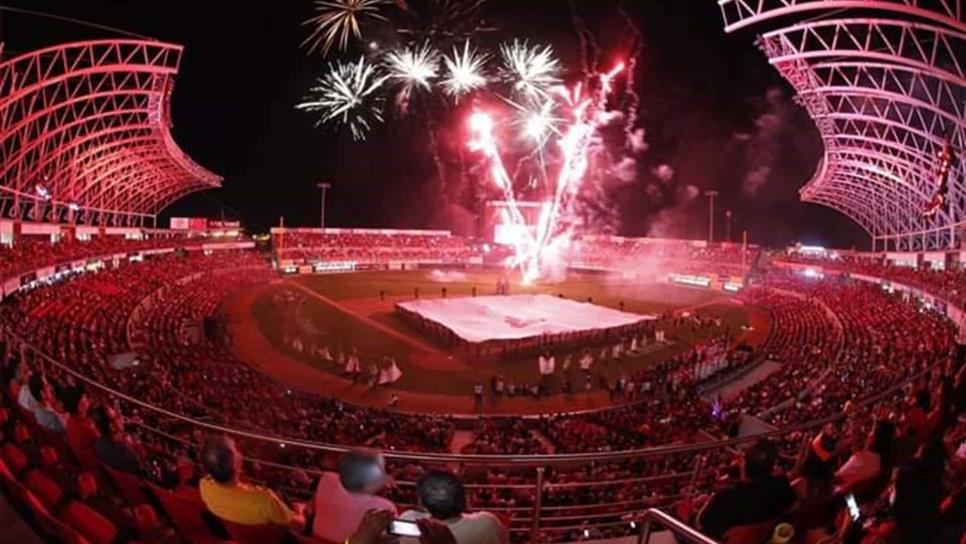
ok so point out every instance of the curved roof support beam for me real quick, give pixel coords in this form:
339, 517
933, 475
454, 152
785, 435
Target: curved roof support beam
133, 178
56, 140
884, 103
738, 14
91, 122
885, 202
81, 147
891, 78
896, 168
930, 49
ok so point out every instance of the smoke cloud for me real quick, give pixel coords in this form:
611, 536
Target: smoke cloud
764, 146
636, 141
663, 172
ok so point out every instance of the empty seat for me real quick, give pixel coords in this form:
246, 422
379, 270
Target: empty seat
17, 461
254, 534
44, 488
189, 515
89, 523
128, 485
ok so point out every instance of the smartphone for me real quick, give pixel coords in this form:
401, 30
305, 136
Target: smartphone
401, 527
853, 507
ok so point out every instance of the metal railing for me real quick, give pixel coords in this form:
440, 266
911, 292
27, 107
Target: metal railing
654, 516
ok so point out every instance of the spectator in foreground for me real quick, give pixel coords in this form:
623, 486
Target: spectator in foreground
111, 447
227, 497
343, 498
44, 412
443, 498
81, 433
758, 496
25, 397
912, 515
865, 465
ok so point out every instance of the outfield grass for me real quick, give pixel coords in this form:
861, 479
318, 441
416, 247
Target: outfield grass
347, 323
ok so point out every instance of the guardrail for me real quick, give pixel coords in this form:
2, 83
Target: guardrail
654, 516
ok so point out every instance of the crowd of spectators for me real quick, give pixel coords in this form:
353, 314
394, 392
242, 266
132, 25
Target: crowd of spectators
31, 252
370, 246
859, 340
679, 256
946, 282
855, 338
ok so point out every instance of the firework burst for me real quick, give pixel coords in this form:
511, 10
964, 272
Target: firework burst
413, 66
339, 20
464, 70
538, 123
348, 94
532, 70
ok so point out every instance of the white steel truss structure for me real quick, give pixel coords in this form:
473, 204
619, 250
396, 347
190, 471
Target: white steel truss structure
85, 134
883, 81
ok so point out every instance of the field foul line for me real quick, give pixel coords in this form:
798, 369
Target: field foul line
366, 319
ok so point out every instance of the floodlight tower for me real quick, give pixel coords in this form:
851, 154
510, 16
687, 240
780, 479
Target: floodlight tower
324, 186
711, 196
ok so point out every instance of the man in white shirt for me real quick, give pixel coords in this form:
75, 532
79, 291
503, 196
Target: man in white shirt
443, 498
25, 398
44, 412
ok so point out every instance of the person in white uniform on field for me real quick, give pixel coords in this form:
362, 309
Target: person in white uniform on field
586, 361
547, 364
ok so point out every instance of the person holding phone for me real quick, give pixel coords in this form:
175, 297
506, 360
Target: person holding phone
442, 499
343, 498
759, 495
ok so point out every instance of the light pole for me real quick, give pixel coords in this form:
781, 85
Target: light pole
711, 195
728, 226
324, 186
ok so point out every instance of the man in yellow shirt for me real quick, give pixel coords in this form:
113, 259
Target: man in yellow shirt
232, 500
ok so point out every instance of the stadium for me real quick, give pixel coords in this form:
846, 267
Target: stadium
515, 328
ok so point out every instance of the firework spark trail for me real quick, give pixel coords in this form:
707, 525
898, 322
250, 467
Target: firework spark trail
589, 52
634, 100
481, 126
550, 237
574, 146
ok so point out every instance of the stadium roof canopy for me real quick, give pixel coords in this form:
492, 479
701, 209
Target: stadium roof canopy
85, 134
883, 81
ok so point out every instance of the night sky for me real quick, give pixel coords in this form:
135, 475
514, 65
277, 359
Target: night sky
712, 108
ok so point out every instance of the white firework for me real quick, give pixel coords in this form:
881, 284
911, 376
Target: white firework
338, 20
413, 67
348, 94
532, 70
538, 123
464, 71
